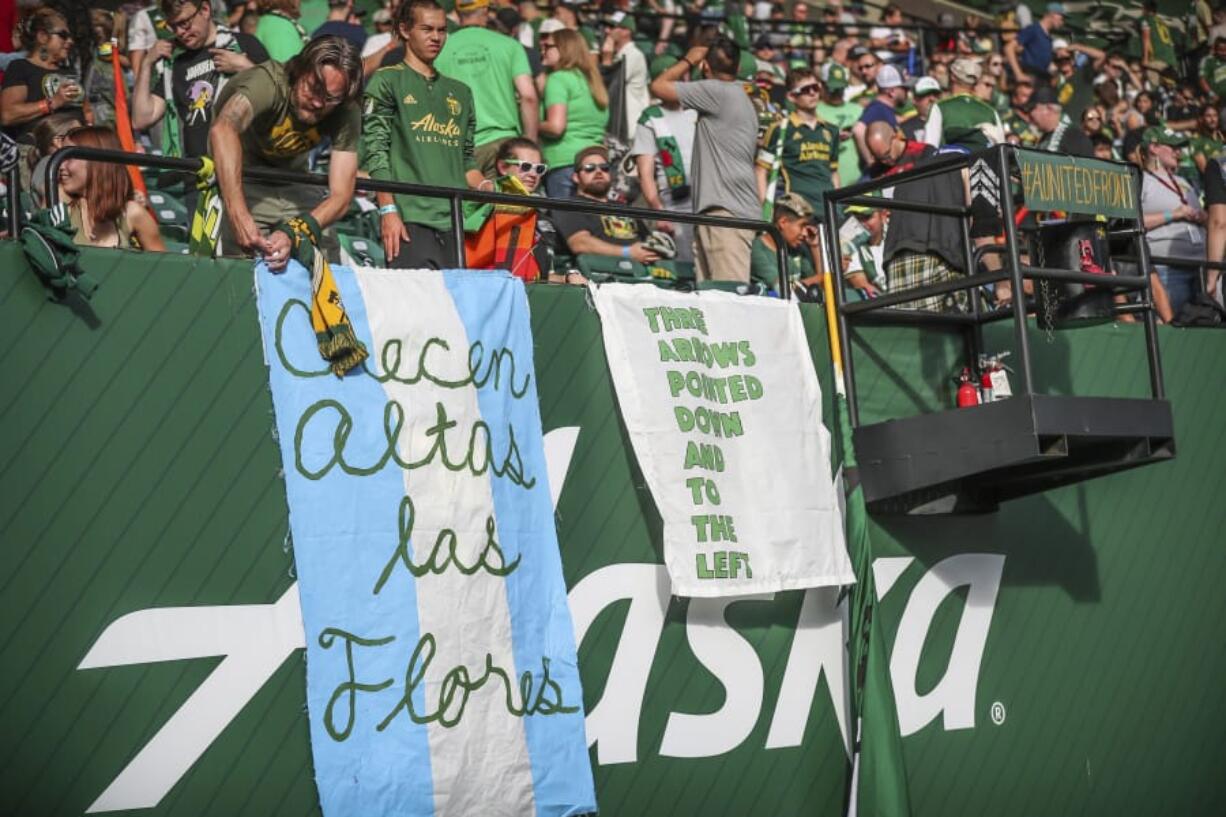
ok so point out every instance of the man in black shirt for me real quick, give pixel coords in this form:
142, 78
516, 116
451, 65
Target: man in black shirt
191, 71
340, 23
1059, 133
600, 234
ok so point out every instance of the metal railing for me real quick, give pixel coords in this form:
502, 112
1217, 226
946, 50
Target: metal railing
456, 197
1001, 159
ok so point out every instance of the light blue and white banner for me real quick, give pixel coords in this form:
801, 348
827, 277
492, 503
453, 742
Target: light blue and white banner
441, 667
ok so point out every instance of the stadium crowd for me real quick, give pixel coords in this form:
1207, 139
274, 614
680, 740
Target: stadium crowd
753, 110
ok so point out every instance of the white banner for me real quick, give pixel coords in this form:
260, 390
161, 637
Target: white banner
723, 408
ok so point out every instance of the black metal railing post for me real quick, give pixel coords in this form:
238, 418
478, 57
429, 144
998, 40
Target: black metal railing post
1156, 387
1014, 262
14, 195
457, 228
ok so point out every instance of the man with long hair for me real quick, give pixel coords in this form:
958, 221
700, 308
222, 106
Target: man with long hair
420, 127
273, 115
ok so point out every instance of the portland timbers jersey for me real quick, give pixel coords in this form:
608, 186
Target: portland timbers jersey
810, 157
419, 129
1213, 71
1160, 39
962, 119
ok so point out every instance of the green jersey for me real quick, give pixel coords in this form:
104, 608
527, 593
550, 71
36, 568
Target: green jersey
764, 264
1014, 123
276, 138
1160, 40
585, 122
843, 117
419, 129
1213, 71
488, 63
810, 157
1076, 92
963, 120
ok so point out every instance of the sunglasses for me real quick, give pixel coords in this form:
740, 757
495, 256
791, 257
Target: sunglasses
591, 167
803, 90
63, 34
531, 167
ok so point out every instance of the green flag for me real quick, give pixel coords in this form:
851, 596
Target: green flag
879, 779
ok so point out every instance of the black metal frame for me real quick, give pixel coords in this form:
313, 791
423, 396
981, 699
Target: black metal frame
456, 196
876, 310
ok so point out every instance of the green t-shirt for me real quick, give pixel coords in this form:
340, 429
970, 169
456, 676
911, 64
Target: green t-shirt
281, 37
312, 14
810, 157
276, 138
764, 264
1014, 123
1076, 93
585, 123
1160, 39
1213, 71
488, 63
419, 129
843, 117
962, 118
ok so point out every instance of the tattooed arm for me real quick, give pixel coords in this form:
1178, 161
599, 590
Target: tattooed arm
225, 145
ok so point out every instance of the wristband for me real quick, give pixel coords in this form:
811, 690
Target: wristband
687, 62
44, 105
626, 251
1167, 216
389, 210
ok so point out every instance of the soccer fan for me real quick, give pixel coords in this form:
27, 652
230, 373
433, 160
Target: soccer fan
34, 87
724, 150
99, 197
1174, 220
495, 68
1031, 51
843, 115
663, 152
180, 79
280, 31
588, 233
793, 215
1059, 133
807, 145
891, 94
273, 115
420, 127
1077, 66
576, 107
618, 46
926, 92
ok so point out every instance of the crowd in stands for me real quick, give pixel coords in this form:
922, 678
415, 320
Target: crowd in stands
754, 111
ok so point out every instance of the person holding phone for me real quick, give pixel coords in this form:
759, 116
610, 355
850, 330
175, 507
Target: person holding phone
38, 85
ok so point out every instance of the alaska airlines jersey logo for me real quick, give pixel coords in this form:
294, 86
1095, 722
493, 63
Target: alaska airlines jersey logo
618, 227
815, 150
432, 129
286, 140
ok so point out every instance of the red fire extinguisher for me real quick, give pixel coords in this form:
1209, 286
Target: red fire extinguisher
968, 395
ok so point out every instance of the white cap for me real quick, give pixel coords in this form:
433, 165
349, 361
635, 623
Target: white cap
1059, 44
550, 26
888, 77
926, 85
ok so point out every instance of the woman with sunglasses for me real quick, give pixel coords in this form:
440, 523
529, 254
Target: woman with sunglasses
35, 87
576, 108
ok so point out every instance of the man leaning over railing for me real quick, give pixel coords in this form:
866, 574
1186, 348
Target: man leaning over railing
272, 116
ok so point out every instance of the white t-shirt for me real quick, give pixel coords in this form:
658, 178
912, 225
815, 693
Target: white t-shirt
376, 42
1179, 239
680, 125
637, 80
141, 36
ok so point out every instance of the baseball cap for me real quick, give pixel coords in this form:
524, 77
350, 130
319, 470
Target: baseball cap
1059, 44
966, 70
661, 63
382, 16
550, 26
1056, 8
623, 20
465, 6
835, 76
591, 150
795, 204
925, 86
1163, 136
1043, 95
888, 77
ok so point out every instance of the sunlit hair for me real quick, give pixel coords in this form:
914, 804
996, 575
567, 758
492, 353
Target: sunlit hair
51, 126
108, 188
322, 52
573, 53
291, 7
41, 20
506, 151
406, 13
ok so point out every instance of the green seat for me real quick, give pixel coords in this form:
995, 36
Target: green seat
612, 267
360, 251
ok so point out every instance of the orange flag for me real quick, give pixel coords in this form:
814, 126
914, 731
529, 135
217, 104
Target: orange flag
123, 121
